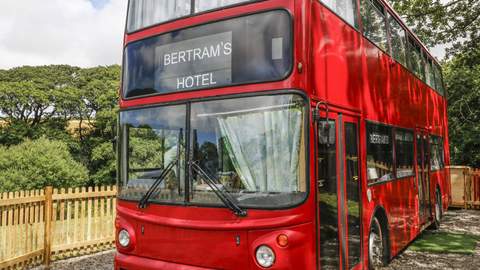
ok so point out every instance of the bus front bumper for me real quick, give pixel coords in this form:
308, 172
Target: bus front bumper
131, 262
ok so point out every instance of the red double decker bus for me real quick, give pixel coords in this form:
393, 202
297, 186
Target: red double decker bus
279, 134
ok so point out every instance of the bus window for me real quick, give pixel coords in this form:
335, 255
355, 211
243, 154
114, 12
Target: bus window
374, 26
144, 13
353, 194
253, 147
415, 61
438, 79
328, 197
404, 153
430, 78
398, 40
346, 9
379, 153
436, 159
152, 141
248, 49
204, 5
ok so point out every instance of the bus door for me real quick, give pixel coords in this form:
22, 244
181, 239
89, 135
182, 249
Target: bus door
423, 175
338, 192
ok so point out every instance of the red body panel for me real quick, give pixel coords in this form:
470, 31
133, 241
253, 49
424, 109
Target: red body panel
338, 66
351, 72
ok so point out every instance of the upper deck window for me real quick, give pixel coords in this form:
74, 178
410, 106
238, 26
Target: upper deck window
398, 40
438, 79
415, 60
374, 26
249, 49
204, 5
429, 73
145, 13
346, 9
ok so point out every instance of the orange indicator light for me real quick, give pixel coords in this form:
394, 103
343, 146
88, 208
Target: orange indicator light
282, 240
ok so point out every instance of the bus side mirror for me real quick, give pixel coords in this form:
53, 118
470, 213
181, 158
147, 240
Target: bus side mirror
316, 112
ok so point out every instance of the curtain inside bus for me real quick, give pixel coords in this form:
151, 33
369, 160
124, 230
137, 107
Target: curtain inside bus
264, 148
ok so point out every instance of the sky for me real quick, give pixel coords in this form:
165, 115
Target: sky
82, 33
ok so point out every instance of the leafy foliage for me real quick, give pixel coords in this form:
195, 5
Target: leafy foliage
453, 22
32, 95
62, 103
35, 164
462, 75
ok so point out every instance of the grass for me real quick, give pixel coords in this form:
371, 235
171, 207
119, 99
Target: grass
443, 242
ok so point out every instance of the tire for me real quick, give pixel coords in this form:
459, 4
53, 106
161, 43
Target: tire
437, 214
377, 246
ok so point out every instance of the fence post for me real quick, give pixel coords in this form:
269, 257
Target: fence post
47, 243
464, 188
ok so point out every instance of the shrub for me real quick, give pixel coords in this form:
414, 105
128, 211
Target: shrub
39, 163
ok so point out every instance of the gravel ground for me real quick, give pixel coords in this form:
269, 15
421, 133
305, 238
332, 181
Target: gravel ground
458, 221
98, 261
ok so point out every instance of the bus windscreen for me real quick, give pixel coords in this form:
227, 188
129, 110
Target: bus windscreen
247, 49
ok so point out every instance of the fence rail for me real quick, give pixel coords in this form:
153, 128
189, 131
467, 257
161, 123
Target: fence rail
39, 226
465, 182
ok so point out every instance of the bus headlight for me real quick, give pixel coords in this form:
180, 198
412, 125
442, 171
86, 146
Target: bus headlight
265, 256
124, 238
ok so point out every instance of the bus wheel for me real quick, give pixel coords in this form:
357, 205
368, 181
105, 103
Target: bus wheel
376, 246
438, 210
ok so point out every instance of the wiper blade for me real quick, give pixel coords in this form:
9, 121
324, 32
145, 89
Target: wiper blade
144, 200
228, 200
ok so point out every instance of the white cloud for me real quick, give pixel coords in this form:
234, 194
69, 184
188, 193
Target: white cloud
73, 32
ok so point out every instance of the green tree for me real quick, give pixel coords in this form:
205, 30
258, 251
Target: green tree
45, 101
454, 22
33, 95
99, 106
39, 163
462, 76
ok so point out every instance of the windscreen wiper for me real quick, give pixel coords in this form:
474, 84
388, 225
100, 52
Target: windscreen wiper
224, 196
144, 200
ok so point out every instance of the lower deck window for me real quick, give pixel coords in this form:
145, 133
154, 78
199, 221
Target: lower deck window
436, 156
379, 153
404, 153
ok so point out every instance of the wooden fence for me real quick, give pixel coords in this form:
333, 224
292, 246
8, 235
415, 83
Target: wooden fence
40, 226
465, 182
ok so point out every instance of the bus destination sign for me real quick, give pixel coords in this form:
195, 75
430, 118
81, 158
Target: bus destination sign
195, 63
